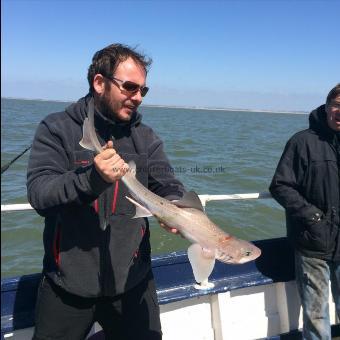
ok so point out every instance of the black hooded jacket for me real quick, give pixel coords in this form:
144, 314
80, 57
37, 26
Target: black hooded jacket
65, 188
307, 184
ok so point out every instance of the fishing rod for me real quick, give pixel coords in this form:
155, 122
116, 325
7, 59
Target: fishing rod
6, 166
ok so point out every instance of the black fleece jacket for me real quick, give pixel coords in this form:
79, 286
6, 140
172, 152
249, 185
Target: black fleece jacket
65, 188
307, 184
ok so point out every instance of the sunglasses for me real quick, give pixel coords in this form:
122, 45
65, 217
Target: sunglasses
128, 86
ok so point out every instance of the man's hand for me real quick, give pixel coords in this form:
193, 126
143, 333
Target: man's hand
170, 229
109, 164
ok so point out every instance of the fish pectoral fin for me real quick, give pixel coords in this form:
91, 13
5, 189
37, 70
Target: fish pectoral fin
86, 141
189, 200
202, 262
140, 210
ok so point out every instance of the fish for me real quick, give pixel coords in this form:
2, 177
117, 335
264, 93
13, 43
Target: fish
208, 241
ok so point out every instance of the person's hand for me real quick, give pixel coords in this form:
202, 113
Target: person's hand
109, 164
170, 229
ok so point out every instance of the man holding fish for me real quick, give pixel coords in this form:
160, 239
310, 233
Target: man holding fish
95, 172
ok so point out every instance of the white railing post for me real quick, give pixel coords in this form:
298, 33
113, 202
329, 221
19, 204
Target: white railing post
15, 207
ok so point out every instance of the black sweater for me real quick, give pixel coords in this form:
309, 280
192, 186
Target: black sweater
65, 188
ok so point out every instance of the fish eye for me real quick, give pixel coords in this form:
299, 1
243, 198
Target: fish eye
247, 253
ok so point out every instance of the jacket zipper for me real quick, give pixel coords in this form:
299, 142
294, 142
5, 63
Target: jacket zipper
106, 241
115, 195
56, 246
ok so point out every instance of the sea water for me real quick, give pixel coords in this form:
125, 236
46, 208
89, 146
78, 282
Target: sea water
212, 152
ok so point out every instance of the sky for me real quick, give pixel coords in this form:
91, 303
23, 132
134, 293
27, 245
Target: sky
273, 55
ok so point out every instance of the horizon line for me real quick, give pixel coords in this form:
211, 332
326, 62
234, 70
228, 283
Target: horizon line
208, 108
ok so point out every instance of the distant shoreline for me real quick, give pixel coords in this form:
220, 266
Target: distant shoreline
223, 109
175, 106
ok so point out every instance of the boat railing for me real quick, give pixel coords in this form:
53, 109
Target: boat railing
204, 199
260, 294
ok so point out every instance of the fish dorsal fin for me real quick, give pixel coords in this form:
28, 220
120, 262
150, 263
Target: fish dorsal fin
90, 140
189, 200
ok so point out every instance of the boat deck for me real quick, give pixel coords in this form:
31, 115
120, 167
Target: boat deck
256, 300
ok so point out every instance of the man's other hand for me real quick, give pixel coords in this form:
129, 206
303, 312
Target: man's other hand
171, 230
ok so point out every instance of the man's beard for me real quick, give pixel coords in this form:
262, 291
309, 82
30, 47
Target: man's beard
105, 107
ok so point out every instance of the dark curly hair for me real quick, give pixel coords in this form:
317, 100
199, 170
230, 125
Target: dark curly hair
107, 60
334, 92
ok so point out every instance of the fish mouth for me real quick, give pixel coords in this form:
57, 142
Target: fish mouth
227, 259
244, 255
